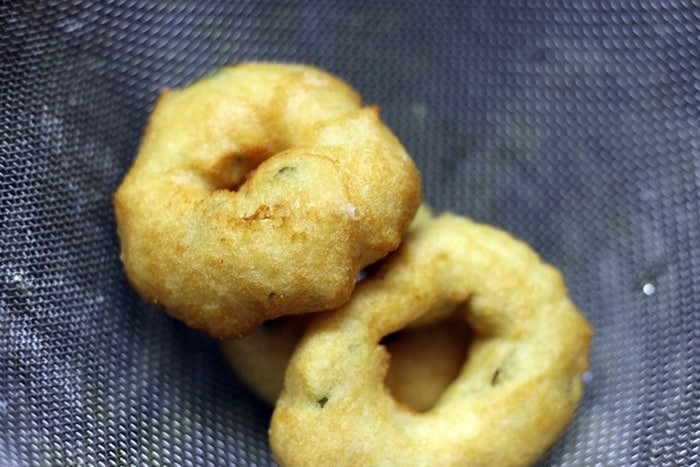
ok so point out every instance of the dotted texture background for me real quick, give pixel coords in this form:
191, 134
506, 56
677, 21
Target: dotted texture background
577, 128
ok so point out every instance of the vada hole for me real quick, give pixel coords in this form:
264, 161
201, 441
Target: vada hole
425, 360
231, 171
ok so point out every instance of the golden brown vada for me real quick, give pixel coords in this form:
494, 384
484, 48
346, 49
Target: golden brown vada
261, 191
515, 394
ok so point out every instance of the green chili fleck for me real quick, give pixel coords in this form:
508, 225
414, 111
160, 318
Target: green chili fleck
494, 378
287, 168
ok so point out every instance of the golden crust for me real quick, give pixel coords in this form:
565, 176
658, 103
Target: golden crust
261, 191
515, 394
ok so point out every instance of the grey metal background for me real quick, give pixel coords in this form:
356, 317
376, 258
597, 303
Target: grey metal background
576, 127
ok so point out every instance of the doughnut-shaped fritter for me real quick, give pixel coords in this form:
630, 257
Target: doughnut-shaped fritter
261, 191
516, 392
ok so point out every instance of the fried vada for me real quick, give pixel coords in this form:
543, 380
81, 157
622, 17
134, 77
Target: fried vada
515, 394
261, 191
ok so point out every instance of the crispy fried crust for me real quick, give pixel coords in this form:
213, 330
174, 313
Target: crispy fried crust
261, 191
516, 392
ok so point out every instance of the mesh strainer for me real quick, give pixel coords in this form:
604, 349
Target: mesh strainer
574, 127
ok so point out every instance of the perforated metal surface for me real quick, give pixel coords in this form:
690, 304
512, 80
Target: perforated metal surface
576, 128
